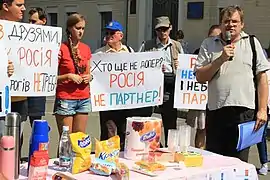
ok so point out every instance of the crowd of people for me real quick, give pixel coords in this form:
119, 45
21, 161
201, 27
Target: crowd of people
237, 92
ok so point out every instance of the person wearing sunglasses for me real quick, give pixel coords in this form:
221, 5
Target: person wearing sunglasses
114, 122
36, 105
37, 16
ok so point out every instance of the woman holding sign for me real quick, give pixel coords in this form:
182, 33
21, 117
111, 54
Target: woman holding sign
72, 103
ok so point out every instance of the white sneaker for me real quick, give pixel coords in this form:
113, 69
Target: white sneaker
263, 170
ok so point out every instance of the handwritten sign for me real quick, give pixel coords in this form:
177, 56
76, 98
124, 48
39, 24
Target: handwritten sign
34, 52
189, 94
126, 80
4, 83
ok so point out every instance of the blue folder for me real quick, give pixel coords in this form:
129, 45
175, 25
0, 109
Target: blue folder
247, 135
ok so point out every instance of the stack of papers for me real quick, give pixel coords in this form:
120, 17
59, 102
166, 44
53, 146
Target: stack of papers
247, 136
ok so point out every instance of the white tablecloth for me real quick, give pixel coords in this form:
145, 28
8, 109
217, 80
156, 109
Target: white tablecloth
215, 167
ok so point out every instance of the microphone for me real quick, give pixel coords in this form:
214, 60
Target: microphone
228, 39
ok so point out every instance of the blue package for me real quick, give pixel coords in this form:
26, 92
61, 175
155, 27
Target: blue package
102, 167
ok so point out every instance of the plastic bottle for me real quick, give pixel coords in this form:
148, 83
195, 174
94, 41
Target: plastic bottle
65, 149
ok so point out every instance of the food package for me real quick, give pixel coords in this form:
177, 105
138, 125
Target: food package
108, 150
190, 159
81, 147
102, 167
150, 166
142, 135
62, 176
160, 156
122, 172
38, 165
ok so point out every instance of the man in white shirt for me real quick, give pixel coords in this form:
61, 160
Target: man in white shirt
227, 66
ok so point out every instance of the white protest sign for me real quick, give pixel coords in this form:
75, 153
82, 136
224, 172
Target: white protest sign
126, 80
33, 49
4, 83
189, 94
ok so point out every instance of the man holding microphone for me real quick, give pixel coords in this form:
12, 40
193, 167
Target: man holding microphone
226, 63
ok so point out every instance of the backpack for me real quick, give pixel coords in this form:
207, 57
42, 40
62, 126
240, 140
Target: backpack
254, 61
129, 49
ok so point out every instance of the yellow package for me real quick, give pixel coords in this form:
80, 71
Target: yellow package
108, 150
81, 147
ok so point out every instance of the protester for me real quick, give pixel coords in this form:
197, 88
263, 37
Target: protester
72, 103
37, 16
12, 10
196, 118
36, 105
172, 48
114, 122
180, 38
262, 147
227, 67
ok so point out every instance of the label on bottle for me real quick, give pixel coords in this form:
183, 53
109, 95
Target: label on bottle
64, 161
43, 146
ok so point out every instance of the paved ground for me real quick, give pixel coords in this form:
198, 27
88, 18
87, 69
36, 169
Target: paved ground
93, 130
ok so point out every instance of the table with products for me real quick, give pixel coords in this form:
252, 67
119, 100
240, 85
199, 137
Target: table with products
214, 167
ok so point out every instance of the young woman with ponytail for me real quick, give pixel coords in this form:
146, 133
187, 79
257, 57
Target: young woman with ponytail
72, 103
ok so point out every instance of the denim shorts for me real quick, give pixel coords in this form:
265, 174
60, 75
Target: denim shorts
71, 107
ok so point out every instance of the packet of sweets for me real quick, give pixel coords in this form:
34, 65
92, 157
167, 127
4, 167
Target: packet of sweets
108, 150
122, 172
102, 167
81, 147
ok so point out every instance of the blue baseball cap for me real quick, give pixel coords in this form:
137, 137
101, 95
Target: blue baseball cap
114, 26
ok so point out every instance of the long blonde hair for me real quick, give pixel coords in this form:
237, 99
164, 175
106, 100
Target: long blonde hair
72, 20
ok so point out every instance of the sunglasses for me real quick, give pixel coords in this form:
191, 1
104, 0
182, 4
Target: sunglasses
162, 29
32, 21
110, 33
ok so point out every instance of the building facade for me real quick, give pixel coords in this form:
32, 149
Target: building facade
194, 17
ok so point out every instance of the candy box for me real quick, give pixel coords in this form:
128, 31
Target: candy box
143, 134
190, 159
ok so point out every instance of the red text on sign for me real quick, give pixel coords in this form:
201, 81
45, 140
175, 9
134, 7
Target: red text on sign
130, 79
192, 62
35, 57
194, 98
99, 100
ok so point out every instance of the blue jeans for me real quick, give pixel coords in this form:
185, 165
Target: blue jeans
262, 147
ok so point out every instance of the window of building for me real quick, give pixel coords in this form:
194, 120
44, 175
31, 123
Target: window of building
195, 10
132, 7
52, 17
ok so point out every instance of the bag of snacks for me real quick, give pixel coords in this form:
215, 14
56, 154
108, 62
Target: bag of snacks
108, 150
81, 147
